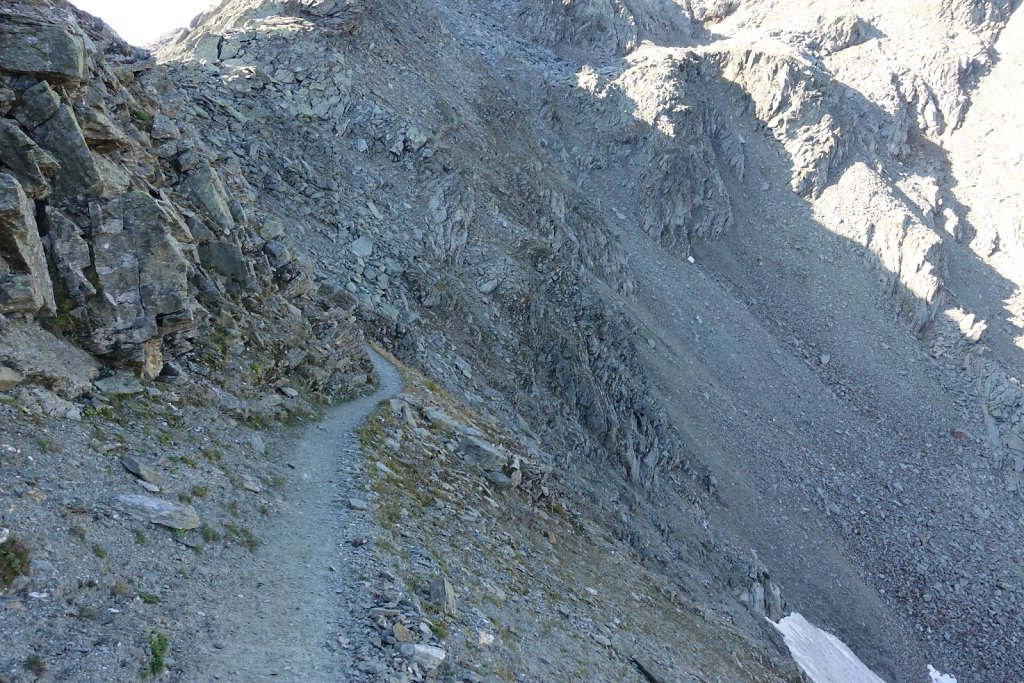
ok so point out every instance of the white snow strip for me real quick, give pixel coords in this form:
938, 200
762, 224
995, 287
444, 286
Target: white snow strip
821, 655
826, 659
939, 677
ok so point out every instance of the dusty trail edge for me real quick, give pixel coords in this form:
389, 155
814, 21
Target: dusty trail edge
288, 615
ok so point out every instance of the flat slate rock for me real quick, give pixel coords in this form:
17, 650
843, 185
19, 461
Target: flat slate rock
159, 511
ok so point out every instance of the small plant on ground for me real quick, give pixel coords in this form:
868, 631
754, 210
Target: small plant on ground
244, 536
157, 650
210, 533
35, 664
149, 598
13, 560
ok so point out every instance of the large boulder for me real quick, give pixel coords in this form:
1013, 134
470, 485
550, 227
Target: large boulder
31, 165
42, 358
141, 272
62, 137
38, 104
47, 51
24, 280
204, 188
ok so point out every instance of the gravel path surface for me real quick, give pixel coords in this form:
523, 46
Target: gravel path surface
287, 612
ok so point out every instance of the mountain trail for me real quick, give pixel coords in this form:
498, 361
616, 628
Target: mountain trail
286, 613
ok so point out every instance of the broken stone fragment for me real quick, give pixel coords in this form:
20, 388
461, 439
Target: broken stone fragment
204, 188
415, 138
226, 259
142, 272
69, 253
38, 104
362, 247
46, 51
428, 656
164, 129
141, 470
482, 454
119, 384
63, 138
157, 511
24, 279
443, 595
9, 378
44, 358
31, 165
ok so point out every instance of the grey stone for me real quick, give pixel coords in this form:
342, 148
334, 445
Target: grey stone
443, 595
500, 479
42, 357
119, 384
229, 49
362, 247
163, 129
29, 163
226, 258
428, 656
142, 272
371, 667
415, 138
38, 104
446, 424
41, 566
141, 469
7, 98
69, 253
46, 51
9, 378
204, 188
158, 511
62, 137
41, 401
483, 454
207, 48
358, 504
24, 278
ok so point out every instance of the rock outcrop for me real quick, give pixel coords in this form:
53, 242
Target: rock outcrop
118, 232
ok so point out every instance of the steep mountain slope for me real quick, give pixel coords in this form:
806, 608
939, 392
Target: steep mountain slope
736, 271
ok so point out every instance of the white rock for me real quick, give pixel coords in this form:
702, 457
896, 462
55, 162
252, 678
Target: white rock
362, 247
428, 656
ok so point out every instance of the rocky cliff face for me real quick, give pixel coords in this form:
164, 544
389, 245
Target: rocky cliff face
120, 238
641, 234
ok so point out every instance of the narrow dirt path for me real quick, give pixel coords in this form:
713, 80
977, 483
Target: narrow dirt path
284, 613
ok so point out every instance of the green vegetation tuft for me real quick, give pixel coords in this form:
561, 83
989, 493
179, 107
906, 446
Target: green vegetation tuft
14, 560
35, 664
157, 650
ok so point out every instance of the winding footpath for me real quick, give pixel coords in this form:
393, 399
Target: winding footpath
295, 616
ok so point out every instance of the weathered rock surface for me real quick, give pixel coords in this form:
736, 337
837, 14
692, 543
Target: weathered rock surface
673, 237
157, 511
24, 280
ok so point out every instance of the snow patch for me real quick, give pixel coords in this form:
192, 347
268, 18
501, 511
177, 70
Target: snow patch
821, 655
939, 677
826, 659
